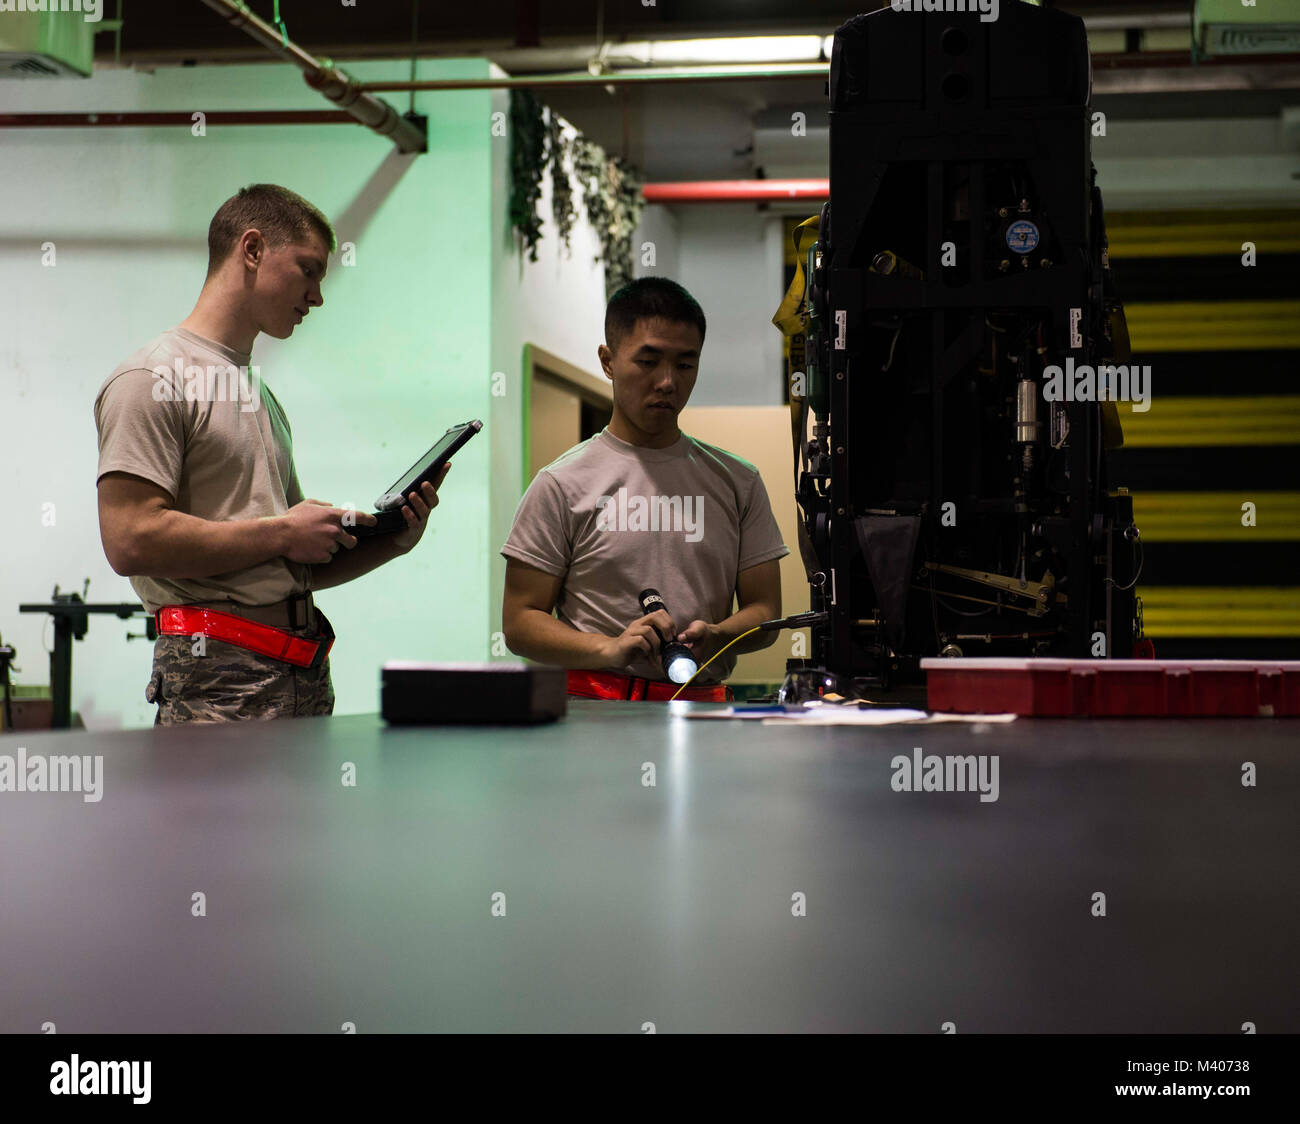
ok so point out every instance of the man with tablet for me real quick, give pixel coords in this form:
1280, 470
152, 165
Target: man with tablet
643, 508
199, 501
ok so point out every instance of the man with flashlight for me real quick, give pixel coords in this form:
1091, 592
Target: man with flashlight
642, 505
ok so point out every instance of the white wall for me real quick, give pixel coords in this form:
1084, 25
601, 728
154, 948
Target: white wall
730, 258
404, 346
656, 243
1217, 162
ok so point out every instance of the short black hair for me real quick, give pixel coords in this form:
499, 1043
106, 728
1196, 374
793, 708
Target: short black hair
650, 298
283, 217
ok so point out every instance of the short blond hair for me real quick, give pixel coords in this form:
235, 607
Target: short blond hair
283, 217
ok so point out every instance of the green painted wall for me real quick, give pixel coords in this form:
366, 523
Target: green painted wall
402, 348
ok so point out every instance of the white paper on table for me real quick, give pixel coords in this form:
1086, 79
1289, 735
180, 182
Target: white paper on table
732, 712
846, 716
855, 716
823, 714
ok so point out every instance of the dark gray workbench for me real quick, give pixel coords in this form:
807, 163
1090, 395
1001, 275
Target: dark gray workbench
672, 905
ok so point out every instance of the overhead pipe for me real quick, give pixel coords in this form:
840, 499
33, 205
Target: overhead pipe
175, 117
1117, 73
340, 88
657, 76
736, 191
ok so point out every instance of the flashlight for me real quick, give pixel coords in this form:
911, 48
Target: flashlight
678, 662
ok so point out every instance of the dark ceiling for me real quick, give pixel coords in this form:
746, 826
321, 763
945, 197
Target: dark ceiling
669, 131
187, 30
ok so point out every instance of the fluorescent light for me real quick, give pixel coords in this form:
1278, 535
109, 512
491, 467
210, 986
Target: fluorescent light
746, 49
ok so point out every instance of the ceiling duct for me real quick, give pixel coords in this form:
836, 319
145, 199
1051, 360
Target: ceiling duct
1231, 27
43, 44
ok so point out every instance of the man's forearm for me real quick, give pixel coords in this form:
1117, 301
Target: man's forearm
741, 622
177, 545
540, 636
369, 554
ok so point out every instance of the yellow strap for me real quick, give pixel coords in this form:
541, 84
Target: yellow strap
790, 317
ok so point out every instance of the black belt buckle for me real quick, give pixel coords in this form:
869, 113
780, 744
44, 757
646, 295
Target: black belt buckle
303, 599
323, 644
323, 647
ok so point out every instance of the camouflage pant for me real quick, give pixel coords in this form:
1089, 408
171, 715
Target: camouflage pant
228, 683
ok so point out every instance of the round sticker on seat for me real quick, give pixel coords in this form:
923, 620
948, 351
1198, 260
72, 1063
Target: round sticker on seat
1022, 236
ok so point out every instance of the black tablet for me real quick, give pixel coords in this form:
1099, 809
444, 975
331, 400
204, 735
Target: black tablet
388, 507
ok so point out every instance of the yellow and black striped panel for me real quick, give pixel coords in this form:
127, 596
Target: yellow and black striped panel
1240, 517
1202, 233
1214, 325
1214, 464
1199, 421
1193, 612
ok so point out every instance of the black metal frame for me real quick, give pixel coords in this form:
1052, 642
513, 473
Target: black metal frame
872, 131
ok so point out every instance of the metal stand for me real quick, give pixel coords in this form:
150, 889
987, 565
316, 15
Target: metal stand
7, 654
71, 619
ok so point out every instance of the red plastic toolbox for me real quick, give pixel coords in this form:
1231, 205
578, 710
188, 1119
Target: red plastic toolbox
1055, 688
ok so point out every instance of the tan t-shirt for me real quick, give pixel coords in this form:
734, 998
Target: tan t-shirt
611, 519
193, 417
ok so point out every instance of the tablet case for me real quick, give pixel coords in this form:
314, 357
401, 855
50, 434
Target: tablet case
386, 523
392, 520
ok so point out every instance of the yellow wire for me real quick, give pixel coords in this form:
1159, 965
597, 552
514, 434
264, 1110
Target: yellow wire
711, 659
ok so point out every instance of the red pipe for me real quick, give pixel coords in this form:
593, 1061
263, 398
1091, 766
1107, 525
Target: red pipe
735, 191
185, 117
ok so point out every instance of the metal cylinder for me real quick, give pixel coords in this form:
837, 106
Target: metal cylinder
889, 264
1026, 411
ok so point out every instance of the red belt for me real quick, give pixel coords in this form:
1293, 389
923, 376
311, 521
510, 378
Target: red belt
183, 620
611, 685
